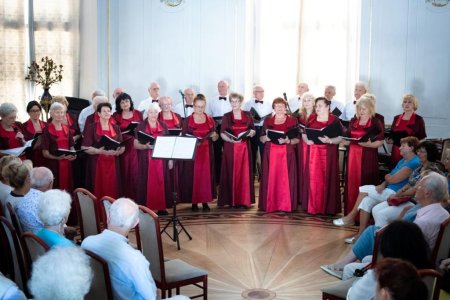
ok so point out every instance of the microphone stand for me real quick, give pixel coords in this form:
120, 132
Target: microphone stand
183, 100
287, 103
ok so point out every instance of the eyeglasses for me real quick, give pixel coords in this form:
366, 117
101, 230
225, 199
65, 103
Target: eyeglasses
35, 110
199, 107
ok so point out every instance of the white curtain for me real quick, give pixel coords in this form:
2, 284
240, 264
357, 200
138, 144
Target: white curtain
312, 41
51, 30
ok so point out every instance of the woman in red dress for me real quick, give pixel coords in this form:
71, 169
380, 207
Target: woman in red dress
103, 175
125, 115
408, 121
362, 158
278, 188
197, 183
31, 127
323, 163
306, 111
70, 120
152, 172
58, 136
236, 180
11, 135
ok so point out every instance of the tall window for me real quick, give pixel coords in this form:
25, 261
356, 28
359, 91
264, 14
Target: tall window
54, 32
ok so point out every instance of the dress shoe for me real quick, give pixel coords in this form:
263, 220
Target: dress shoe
206, 207
333, 271
194, 207
340, 222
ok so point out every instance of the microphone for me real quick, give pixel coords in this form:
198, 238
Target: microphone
287, 103
181, 93
285, 97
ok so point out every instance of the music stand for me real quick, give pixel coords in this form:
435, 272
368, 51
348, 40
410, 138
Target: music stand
175, 148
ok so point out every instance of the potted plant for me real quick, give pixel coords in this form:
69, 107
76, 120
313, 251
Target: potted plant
45, 74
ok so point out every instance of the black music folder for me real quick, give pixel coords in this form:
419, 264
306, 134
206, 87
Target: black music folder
331, 131
145, 138
256, 116
109, 143
130, 128
61, 152
239, 137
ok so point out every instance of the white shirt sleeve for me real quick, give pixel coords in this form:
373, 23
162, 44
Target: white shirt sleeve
364, 288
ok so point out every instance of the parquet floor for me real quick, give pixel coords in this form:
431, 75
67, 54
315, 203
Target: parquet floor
245, 249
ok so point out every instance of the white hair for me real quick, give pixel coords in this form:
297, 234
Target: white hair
154, 106
7, 108
40, 177
56, 106
124, 213
63, 273
98, 93
438, 185
54, 207
362, 84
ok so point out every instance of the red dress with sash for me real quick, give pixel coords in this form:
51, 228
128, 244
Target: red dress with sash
236, 178
302, 162
102, 171
323, 173
415, 126
128, 160
362, 162
278, 188
8, 139
197, 183
52, 140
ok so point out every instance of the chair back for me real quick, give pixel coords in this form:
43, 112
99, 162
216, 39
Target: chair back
13, 218
101, 282
18, 269
442, 247
34, 247
87, 211
105, 204
151, 244
432, 280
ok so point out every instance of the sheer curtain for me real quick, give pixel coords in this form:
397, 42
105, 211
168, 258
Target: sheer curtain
313, 41
53, 31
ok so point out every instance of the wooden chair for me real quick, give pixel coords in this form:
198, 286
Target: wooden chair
13, 218
442, 247
445, 147
339, 291
105, 204
170, 274
432, 280
34, 247
18, 270
101, 282
86, 205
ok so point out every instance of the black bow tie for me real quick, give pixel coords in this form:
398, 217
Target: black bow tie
259, 101
223, 98
189, 105
154, 100
354, 102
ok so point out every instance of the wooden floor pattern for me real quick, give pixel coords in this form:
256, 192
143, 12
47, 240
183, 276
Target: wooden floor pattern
245, 249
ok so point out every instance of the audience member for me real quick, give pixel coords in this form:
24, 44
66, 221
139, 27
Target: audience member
9, 289
17, 173
54, 209
61, 274
27, 209
5, 188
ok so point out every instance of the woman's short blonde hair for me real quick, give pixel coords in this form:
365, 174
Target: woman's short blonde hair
61, 99
16, 172
367, 100
412, 98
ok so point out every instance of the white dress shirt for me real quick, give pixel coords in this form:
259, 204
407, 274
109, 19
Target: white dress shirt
335, 103
128, 268
263, 109
179, 109
217, 108
349, 111
85, 112
144, 104
294, 103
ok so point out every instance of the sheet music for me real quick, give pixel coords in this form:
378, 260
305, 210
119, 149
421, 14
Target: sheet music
174, 147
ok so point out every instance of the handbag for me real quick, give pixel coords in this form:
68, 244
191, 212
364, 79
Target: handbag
396, 201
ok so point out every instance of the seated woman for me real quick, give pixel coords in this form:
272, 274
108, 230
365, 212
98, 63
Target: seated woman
11, 135
17, 173
278, 188
54, 209
236, 179
370, 195
58, 136
409, 122
152, 188
30, 129
5, 188
103, 175
402, 240
387, 211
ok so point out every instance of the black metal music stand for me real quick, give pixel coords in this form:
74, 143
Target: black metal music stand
188, 153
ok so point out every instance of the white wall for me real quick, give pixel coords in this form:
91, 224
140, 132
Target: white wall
405, 49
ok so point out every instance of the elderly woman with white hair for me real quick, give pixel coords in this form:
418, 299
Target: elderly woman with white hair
11, 135
103, 175
54, 209
58, 135
62, 273
153, 187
